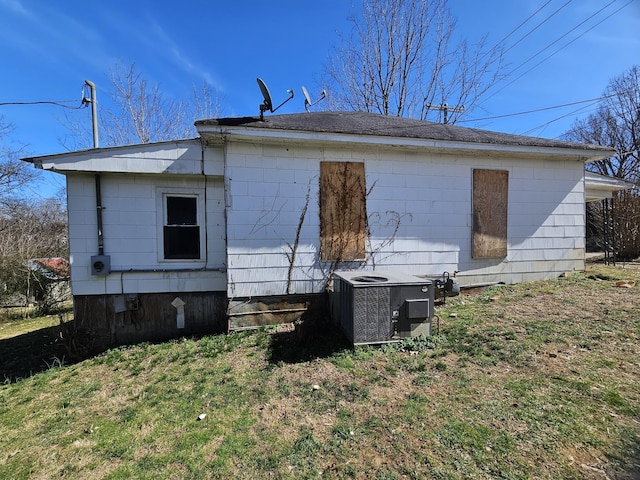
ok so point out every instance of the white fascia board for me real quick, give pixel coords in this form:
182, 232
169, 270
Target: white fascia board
599, 187
173, 157
264, 135
593, 194
604, 182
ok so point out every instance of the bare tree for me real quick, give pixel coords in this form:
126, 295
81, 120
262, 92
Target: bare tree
29, 229
615, 225
204, 104
616, 124
14, 174
138, 112
401, 59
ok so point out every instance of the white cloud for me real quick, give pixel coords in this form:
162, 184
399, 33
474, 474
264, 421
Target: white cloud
15, 6
183, 60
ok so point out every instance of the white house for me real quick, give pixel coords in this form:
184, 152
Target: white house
252, 218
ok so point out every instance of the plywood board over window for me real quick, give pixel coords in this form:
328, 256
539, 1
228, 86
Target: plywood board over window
343, 213
490, 201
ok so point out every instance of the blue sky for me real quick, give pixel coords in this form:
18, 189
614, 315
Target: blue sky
48, 48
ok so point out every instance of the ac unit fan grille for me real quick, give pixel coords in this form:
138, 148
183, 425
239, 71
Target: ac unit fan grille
372, 318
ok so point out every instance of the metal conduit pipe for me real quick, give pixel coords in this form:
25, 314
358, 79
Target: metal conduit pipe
168, 270
96, 144
99, 215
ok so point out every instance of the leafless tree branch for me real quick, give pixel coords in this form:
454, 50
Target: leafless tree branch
14, 174
401, 59
616, 124
138, 112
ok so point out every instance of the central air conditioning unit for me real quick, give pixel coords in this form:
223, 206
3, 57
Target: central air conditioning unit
379, 307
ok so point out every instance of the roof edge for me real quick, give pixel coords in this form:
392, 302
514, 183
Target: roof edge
99, 150
364, 126
587, 155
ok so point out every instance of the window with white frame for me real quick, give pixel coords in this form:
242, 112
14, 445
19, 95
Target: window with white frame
181, 226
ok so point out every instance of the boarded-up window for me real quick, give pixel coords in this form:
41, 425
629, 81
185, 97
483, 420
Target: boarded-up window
343, 213
490, 198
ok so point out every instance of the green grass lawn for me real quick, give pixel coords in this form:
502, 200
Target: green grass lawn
539, 380
30, 344
17, 321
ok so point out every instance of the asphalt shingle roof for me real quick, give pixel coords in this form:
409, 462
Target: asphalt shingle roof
361, 123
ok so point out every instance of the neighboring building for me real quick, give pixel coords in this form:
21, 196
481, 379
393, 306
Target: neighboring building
55, 269
204, 234
49, 285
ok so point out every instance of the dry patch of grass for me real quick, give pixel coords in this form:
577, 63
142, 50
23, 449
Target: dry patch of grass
538, 380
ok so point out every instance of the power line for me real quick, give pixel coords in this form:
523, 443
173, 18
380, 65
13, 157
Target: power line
591, 102
629, 152
517, 28
59, 103
562, 48
560, 38
537, 26
539, 109
573, 112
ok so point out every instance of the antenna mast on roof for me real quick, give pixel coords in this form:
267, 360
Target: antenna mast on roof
268, 104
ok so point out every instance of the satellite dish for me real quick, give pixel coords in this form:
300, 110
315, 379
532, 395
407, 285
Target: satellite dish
268, 103
307, 99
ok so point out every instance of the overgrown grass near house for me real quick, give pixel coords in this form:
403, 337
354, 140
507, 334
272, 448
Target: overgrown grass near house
539, 380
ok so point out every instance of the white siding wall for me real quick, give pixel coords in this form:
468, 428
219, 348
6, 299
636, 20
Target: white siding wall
130, 230
267, 186
430, 193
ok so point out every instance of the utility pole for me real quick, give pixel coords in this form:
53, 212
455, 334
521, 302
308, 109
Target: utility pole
94, 111
96, 261
446, 109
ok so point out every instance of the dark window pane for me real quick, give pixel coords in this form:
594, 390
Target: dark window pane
182, 211
182, 242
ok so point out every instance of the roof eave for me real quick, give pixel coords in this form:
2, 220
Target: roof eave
40, 159
216, 133
103, 160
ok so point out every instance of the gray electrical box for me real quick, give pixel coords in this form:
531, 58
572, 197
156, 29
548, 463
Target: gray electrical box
382, 306
100, 265
127, 302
